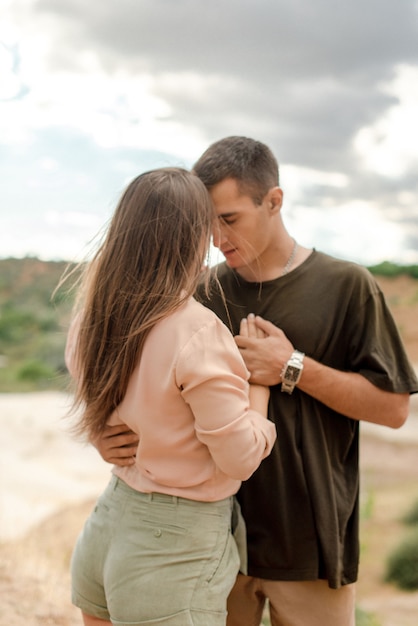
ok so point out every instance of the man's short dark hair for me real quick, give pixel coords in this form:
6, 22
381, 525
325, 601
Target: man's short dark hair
251, 163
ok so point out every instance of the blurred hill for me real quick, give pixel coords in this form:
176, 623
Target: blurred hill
401, 293
33, 326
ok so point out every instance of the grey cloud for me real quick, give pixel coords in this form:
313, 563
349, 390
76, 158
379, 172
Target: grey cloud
302, 76
386, 193
411, 239
391, 194
288, 38
308, 71
311, 123
244, 36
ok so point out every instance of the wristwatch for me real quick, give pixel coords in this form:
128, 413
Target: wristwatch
292, 371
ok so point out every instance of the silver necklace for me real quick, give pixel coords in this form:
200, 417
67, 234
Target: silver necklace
291, 258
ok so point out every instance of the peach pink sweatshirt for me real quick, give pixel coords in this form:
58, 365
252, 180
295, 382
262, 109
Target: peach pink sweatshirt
188, 402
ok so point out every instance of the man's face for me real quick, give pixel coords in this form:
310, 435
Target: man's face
243, 230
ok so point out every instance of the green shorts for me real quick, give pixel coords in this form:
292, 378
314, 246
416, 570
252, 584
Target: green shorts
155, 559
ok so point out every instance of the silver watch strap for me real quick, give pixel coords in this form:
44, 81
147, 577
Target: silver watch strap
296, 362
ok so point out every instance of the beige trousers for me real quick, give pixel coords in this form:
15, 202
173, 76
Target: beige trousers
304, 603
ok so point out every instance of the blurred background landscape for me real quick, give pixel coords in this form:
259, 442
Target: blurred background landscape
33, 321
49, 481
91, 95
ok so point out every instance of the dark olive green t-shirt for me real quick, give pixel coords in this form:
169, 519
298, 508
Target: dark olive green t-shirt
301, 506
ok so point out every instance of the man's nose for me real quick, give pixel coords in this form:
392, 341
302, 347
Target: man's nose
218, 235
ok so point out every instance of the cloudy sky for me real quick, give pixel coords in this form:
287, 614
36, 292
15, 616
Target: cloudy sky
93, 93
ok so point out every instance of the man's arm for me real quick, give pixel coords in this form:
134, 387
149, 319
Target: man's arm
348, 393
117, 445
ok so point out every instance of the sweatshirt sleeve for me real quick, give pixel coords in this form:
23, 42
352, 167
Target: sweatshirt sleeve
214, 382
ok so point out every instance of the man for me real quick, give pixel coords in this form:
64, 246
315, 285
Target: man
332, 356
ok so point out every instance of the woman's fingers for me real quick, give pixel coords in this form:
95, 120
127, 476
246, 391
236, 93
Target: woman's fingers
249, 328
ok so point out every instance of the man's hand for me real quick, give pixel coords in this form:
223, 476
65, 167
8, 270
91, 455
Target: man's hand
265, 349
117, 445
348, 393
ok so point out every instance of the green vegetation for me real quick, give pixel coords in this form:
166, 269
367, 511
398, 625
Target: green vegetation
411, 516
391, 270
32, 325
365, 619
402, 563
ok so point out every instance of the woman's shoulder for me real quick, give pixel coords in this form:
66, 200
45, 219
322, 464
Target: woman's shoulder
189, 325
196, 314
190, 316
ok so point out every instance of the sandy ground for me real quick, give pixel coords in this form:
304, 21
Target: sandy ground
48, 483
42, 468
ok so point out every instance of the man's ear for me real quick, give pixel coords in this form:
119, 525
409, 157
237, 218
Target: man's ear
275, 199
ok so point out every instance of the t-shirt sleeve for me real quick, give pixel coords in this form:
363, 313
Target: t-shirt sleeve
213, 380
378, 352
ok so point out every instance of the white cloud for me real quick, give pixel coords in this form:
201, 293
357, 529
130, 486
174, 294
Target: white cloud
389, 145
73, 218
54, 235
9, 82
118, 111
355, 230
93, 92
297, 181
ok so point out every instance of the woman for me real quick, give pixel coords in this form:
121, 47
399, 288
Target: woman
157, 549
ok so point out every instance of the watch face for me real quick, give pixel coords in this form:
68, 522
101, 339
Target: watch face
292, 374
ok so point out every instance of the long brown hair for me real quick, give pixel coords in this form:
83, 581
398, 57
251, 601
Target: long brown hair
148, 264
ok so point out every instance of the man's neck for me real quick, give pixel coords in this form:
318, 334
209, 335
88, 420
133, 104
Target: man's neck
258, 272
